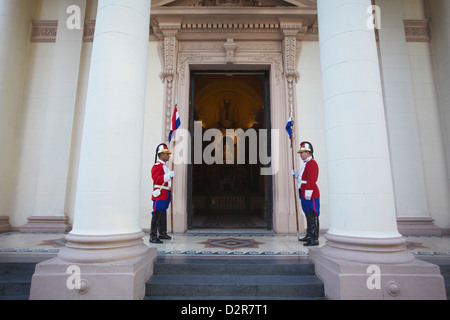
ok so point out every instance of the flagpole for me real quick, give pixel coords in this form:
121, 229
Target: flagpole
293, 177
173, 160
172, 198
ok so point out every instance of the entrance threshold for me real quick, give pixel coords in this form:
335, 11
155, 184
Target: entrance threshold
247, 232
231, 243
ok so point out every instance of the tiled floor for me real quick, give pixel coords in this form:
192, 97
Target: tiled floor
210, 243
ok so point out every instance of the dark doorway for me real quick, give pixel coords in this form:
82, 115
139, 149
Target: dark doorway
225, 187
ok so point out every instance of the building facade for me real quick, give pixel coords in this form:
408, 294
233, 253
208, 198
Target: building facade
88, 90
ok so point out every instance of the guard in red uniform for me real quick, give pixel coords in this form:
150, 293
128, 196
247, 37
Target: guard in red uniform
161, 194
309, 193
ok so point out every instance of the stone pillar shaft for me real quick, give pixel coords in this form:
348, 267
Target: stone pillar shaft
105, 243
111, 152
363, 229
360, 184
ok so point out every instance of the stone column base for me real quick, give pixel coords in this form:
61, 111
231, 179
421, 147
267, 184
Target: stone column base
380, 271
4, 224
418, 227
56, 279
46, 224
96, 267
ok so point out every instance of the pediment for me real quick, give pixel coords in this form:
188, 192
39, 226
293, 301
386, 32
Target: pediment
305, 4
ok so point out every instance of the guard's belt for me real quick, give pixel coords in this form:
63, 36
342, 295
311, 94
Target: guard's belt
164, 187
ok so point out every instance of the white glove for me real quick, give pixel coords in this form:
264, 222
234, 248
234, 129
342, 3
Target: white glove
295, 174
308, 194
168, 176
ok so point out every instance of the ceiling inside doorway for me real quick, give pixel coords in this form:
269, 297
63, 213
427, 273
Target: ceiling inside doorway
229, 101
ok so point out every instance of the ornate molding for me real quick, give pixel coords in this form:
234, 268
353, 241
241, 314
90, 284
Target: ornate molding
169, 61
229, 46
290, 31
291, 53
417, 30
235, 3
230, 27
169, 30
215, 52
229, 3
312, 34
89, 31
189, 58
46, 30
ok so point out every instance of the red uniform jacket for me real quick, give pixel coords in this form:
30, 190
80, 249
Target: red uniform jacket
159, 171
310, 176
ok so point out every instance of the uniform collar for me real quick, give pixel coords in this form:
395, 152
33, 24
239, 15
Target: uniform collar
307, 159
160, 161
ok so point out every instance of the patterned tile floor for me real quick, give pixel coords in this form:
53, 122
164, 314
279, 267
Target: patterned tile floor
216, 243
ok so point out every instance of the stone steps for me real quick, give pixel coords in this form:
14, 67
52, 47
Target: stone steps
234, 279
15, 280
211, 279
444, 266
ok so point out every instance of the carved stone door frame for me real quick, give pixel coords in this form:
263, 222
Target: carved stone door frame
279, 57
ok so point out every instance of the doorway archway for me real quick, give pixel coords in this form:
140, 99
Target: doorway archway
229, 192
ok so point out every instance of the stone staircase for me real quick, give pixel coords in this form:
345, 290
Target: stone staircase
15, 280
444, 266
225, 278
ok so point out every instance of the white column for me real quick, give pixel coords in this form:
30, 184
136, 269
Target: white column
106, 239
111, 152
14, 36
359, 171
363, 230
50, 200
407, 168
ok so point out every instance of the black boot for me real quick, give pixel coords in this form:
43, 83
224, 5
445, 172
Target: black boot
156, 220
314, 240
163, 226
155, 239
308, 229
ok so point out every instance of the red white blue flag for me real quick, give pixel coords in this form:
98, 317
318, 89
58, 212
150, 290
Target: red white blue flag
289, 126
176, 122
